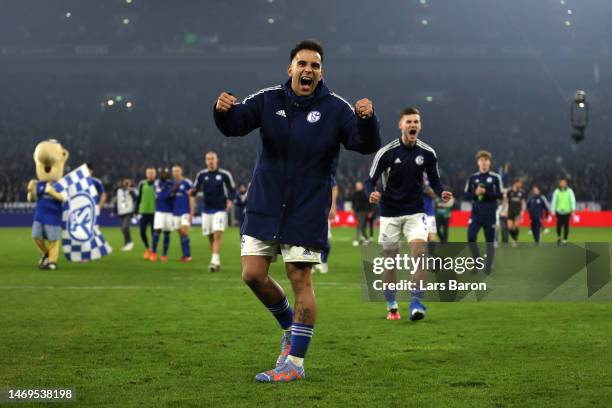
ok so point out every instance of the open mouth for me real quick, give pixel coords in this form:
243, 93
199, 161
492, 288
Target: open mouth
412, 132
306, 83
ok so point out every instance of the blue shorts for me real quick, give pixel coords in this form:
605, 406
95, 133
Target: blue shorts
50, 232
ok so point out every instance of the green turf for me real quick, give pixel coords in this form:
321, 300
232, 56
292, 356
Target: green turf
125, 332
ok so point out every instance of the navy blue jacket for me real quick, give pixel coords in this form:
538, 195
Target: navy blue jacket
290, 192
486, 206
218, 187
402, 168
538, 206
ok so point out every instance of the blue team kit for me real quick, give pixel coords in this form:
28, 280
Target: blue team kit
218, 187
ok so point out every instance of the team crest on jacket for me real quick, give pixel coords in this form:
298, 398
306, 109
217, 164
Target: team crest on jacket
218, 177
313, 116
419, 160
489, 179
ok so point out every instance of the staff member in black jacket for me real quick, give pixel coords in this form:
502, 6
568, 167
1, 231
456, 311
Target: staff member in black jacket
361, 207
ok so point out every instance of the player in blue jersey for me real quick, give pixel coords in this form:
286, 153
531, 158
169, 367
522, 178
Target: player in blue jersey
219, 189
163, 220
302, 125
484, 188
183, 208
47, 225
402, 163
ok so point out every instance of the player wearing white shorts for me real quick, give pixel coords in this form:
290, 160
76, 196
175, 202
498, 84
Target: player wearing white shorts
302, 125
401, 163
218, 188
182, 209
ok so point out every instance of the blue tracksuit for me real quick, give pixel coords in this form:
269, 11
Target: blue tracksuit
484, 211
402, 168
537, 206
290, 193
484, 208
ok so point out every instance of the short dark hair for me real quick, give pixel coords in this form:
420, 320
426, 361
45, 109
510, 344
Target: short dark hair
312, 45
411, 110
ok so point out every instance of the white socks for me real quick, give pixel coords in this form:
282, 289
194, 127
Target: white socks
216, 259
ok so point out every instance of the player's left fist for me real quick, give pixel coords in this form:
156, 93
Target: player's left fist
446, 196
364, 108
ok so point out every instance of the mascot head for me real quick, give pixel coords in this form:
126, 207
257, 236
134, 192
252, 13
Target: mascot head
50, 157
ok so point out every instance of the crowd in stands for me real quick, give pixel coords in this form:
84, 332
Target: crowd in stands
171, 123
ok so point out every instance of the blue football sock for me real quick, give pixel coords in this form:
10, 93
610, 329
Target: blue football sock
166, 242
300, 339
417, 294
185, 245
283, 313
389, 295
155, 241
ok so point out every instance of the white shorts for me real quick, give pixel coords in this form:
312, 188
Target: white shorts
163, 221
181, 221
253, 246
431, 224
213, 222
413, 227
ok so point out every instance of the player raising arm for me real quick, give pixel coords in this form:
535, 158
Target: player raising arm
402, 163
302, 125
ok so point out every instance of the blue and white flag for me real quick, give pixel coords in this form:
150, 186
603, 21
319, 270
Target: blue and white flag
81, 236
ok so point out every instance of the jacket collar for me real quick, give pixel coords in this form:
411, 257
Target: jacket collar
304, 102
407, 147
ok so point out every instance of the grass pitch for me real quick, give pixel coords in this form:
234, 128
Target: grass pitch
126, 332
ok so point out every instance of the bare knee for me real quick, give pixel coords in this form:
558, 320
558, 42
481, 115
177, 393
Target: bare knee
254, 271
300, 275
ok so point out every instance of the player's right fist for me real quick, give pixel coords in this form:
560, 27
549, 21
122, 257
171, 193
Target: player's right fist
375, 197
225, 102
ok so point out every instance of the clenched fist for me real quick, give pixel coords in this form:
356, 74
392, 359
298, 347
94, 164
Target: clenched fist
225, 102
446, 196
375, 197
364, 108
